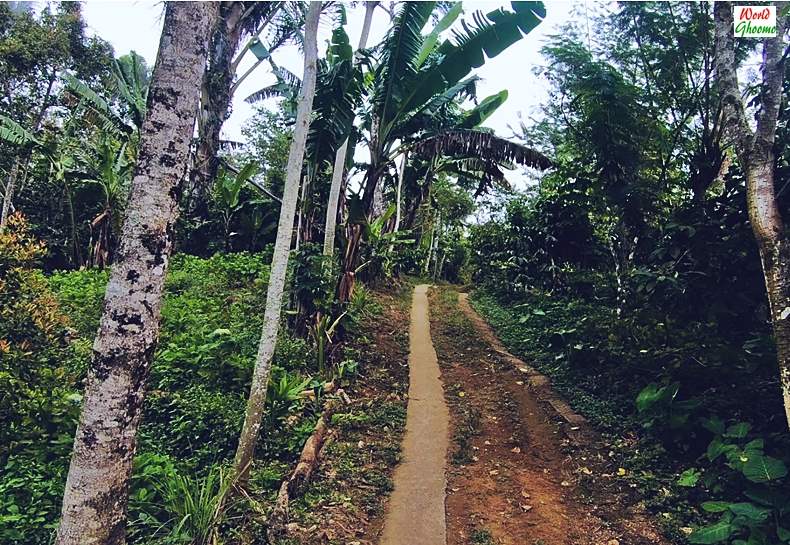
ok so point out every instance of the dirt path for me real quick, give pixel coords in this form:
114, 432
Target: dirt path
521, 472
416, 510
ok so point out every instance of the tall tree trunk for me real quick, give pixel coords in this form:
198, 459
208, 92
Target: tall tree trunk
217, 92
398, 191
214, 104
339, 168
8, 196
274, 294
96, 494
755, 154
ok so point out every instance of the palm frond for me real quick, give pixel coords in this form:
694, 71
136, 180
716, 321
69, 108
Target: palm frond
287, 86
12, 132
481, 144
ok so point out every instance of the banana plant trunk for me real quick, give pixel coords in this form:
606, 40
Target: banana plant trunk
339, 167
96, 493
274, 296
754, 149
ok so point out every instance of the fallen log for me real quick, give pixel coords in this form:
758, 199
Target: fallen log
327, 388
294, 485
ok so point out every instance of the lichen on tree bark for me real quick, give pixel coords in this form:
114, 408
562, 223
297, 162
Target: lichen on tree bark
96, 494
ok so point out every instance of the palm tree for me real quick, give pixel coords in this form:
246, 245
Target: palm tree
95, 496
282, 21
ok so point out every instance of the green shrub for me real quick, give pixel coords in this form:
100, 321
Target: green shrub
39, 403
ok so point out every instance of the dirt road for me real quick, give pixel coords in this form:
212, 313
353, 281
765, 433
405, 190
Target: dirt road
521, 468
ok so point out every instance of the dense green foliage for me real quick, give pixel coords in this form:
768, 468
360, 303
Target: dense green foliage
211, 326
630, 276
628, 273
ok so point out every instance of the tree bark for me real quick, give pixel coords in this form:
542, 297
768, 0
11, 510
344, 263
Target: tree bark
215, 101
8, 196
339, 168
96, 494
274, 296
755, 154
399, 189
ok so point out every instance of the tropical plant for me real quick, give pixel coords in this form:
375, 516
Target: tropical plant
416, 84
196, 506
322, 331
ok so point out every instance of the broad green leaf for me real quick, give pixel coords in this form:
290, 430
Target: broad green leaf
761, 469
484, 110
689, 478
648, 397
430, 41
738, 431
755, 446
767, 496
716, 448
716, 506
714, 533
750, 511
714, 424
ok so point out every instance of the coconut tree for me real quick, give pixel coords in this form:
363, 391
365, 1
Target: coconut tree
95, 496
274, 295
278, 23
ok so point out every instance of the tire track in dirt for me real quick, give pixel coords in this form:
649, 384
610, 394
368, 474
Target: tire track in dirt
513, 477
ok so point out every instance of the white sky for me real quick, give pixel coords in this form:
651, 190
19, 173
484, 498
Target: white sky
136, 25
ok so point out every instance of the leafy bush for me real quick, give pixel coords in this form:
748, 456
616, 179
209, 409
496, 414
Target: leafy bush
737, 466
39, 399
211, 322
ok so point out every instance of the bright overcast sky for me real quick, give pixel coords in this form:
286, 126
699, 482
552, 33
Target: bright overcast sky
136, 25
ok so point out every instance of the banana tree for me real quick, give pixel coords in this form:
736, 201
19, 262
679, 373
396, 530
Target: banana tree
338, 94
111, 171
229, 192
121, 114
417, 84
